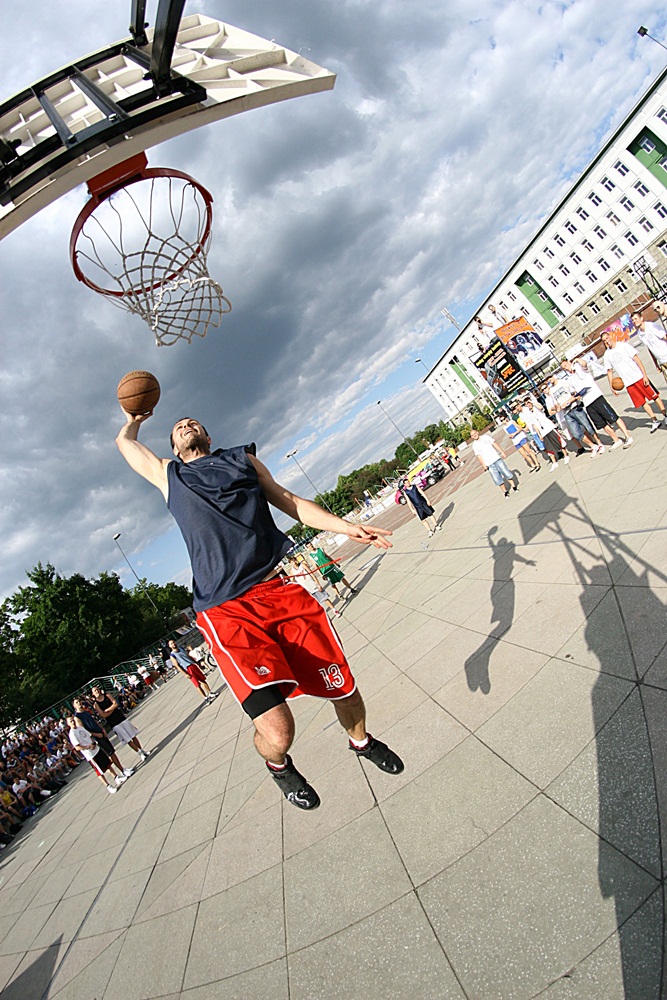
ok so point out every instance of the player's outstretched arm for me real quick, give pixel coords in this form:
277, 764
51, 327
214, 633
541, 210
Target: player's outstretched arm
312, 514
138, 456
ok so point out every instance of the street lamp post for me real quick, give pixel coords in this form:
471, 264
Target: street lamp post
140, 582
644, 34
397, 428
292, 454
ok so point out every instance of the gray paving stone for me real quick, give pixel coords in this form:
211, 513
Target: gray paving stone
116, 905
26, 928
64, 921
392, 953
166, 941
526, 906
644, 616
141, 851
87, 960
195, 827
240, 853
611, 787
237, 930
455, 805
33, 974
267, 981
375, 877
182, 891
551, 719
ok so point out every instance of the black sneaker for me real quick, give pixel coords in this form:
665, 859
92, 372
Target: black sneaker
379, 754
294, 786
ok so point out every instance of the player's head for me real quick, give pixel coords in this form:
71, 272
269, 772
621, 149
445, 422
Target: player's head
606, 340
566, 365
189, 439
72, 722
637, 320
474, 435
96, 692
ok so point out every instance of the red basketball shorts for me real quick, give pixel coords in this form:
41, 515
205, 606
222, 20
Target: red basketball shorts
196, 675
640, 393
276, 633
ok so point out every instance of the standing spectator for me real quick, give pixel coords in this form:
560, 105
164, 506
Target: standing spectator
537, 421
187, 666
83, 743
419, 505
492, 458
654, 337
601, 413
304, 575
107, 707
577, 421
145, 675
330, 571
96, 729
519, 438
624, 360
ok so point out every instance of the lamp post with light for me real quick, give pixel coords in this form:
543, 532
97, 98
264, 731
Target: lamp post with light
397, 428
140, 582
292, 454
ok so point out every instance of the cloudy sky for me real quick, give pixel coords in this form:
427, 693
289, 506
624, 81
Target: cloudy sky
345, 221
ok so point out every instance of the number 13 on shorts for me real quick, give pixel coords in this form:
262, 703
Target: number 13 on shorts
332, 676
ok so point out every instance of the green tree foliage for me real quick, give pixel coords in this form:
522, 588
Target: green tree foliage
58, 632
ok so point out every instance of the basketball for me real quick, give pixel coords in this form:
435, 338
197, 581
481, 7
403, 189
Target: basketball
617, 383
138, 392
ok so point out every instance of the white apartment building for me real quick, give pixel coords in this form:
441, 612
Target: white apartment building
577, 274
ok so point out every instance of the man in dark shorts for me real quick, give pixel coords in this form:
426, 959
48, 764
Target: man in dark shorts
184, 662
96, 729
270, 638
108, 708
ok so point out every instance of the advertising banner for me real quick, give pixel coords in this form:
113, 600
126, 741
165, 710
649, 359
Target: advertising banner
524, 343
620, 329
500, 370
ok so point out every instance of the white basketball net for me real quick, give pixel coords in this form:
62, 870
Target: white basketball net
148, 241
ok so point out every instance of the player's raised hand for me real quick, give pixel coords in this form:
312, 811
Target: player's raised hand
136, 418
370, 536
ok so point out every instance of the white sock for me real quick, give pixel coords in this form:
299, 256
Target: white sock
360, 744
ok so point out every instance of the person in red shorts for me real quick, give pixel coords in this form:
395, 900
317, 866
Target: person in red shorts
624, 360
184, 662
271, 639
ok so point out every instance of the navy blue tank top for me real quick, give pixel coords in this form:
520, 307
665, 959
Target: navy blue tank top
226, 524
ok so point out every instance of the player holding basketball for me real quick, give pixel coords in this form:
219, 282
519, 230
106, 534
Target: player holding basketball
271, 639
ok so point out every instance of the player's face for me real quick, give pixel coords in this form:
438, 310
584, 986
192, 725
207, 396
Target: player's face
189, 437
606, 340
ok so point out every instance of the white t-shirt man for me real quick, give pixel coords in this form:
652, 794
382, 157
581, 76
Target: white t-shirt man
654, 337
620, 358
484, 447
537, 421
82, 739
582, 379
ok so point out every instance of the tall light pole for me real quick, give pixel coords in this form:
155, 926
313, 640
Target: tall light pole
292, 454
397, 428
140, 582
644, 34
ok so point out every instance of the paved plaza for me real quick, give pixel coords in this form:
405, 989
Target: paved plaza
518, 663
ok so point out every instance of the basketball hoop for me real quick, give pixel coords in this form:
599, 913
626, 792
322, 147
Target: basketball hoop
143, 239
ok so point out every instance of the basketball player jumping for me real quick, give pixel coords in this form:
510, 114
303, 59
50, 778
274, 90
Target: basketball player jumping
271, 639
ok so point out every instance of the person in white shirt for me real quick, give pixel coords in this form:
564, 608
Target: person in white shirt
492, 458
85, 744
653, 336
602, 414
571, 406
538, 423
624, 360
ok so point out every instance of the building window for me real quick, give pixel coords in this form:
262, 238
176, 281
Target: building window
575, 258
662, 114
563, 270
599, 232
660, 209
620, 285
587, 245
557, 313
621, 167
595, 199
646, 144
662, 247
631, 238
616, 250
552, 281
663, 163
578, 287
582, 213
640, 188
582, 318
525, 312
558, 240
568, 298
565, 332
542, 296
512, 296
613, 218
502, 306
570, 226
594, 308
603, 264
607, 183
538, 264
591, 277
626, 203
528, 279
607, 297
547, 252
645, 224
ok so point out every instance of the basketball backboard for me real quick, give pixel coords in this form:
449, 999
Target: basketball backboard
105, 108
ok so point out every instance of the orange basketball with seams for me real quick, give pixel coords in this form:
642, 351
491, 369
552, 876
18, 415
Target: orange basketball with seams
617, 383
138, 392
